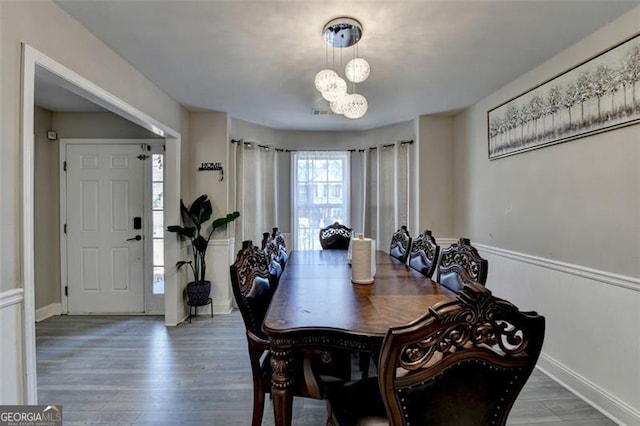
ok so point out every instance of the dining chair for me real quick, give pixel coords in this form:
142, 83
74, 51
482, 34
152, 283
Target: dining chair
400, 244
424, 253
464, 362
272, 252
461, 264
265, 240
252, 288
277, 235
335, 237
283, 256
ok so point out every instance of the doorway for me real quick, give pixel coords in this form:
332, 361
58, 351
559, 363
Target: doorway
34, 61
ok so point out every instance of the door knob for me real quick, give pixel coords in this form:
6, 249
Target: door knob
136, 238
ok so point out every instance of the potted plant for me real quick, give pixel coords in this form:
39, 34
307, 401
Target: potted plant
194, 228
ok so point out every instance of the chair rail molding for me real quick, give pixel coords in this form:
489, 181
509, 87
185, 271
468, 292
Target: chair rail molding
11, 297
605, 277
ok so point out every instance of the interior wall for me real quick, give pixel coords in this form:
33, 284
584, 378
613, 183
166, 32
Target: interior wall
559, 202
209, 145
45, 27
346, 140
46, 212
11, 351
560, 226
209, 136
435, 176
97, 125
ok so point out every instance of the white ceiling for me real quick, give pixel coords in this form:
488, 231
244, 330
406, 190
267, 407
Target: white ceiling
257, 60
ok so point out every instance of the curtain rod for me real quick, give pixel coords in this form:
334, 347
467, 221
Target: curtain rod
385, 146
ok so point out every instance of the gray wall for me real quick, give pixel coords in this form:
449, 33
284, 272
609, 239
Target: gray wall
46, 28
435, 175
576, 202
560, 227
47, 212
97, 125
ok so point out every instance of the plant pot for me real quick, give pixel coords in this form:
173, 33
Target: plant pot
198, 292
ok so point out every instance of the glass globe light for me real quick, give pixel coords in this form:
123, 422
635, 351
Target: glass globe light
356, 106
338, 105
324, 77
334, 89
357, 70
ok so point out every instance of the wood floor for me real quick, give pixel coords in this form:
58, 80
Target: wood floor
135, 371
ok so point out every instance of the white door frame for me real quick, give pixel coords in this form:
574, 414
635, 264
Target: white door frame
62, 151
32, 59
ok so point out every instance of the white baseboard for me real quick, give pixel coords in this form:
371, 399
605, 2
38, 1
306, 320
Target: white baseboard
50, 310
594, 395
222, 309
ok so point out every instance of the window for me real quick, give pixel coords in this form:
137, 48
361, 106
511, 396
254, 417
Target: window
157, 218
321, 194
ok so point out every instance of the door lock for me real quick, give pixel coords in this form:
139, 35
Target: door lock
136, 238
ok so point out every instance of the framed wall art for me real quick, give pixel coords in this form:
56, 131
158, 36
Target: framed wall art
599, 94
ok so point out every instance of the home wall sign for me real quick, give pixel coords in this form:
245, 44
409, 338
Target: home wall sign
205, 167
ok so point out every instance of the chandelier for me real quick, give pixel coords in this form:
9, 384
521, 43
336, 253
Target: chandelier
338, 34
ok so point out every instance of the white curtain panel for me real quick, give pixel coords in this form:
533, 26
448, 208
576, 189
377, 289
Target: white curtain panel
256, 192
387, 195
371, 194
283, 192
403, 153
358, 160
388, 178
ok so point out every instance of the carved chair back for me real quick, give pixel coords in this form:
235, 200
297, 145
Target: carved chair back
400, 244
265, 240
478, 349
335, 237
461, 264
274, 256
424, 253
277, 235
251, 286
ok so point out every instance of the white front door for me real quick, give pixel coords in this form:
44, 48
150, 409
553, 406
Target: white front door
105, 251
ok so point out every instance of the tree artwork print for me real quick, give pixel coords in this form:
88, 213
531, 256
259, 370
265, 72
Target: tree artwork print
600, 94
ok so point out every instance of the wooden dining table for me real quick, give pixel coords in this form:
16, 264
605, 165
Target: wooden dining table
317, 306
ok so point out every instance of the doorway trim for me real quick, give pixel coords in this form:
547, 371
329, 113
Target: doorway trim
32, 59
